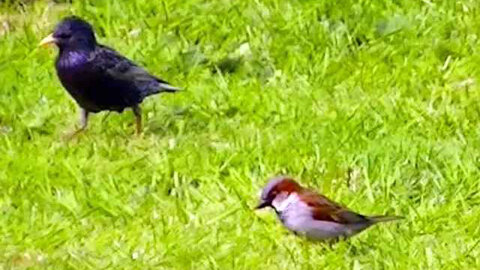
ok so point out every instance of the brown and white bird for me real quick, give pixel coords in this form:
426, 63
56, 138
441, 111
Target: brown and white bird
312, 215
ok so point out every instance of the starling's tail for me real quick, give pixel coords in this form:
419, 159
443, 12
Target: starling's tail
156, 86
166, 87
377, 219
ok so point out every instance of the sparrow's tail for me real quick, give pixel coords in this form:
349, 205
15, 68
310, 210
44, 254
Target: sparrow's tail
377, 219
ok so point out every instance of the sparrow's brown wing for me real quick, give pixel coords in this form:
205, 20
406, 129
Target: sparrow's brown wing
325, 209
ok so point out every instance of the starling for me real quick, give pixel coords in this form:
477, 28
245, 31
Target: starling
96, 76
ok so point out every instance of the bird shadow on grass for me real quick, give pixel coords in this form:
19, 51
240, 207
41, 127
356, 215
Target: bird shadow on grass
186, 119
177, 120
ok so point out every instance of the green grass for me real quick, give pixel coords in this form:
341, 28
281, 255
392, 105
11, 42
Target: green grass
375, 105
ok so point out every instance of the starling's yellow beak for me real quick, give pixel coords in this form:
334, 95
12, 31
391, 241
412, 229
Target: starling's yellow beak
47, 40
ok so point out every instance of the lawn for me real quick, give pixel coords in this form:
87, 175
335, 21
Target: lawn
373, 103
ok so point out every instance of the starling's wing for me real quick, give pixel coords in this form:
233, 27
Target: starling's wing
325, 209
118, 68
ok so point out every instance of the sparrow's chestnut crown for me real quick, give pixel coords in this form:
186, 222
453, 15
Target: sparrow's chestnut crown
276, 186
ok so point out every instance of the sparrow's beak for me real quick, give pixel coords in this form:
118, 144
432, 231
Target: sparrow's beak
262, 204
47, 40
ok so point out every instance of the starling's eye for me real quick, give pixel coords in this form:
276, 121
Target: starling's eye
64, 35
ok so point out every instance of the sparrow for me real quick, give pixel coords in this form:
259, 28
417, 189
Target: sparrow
313, 215
96, 76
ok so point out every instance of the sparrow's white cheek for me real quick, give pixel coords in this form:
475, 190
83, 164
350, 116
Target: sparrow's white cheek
282, 201
277, 204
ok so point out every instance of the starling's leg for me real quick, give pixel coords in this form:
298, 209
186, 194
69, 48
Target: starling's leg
83, 119
137, 111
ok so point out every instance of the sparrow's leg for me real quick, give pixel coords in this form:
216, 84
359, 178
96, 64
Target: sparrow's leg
137, 111
332, 242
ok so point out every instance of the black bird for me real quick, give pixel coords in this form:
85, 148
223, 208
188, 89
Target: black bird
96, 76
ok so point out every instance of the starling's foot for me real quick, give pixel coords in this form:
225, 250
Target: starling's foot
83, 125
71, 135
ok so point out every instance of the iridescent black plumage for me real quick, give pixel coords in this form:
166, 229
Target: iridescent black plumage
97, 77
